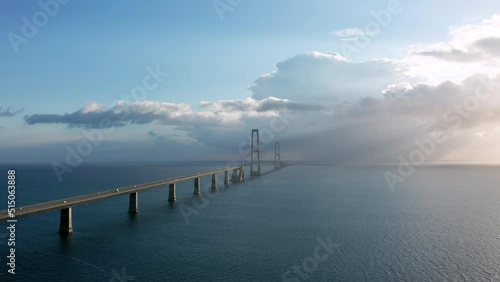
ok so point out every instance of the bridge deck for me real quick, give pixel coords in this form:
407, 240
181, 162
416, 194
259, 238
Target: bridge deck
89, 198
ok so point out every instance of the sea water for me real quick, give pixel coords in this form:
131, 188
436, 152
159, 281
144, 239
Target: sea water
299, 223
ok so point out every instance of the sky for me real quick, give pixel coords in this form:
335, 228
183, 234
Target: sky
357, 82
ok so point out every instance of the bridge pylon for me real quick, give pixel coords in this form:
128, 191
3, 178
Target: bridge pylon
255, 153
277, 156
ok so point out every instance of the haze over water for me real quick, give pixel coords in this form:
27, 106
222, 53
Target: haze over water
441, 225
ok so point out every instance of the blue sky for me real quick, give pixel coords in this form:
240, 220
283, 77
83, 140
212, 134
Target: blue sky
94, 50
97, 51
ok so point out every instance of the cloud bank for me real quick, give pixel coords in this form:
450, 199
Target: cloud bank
369, 130
322, 77
472, 48
323, 108
220, 113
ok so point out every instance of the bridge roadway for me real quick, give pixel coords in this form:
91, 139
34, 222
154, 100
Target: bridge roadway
89, 198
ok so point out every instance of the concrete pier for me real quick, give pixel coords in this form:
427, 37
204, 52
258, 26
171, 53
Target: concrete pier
66, 224
235, 177
242, 174
226, 178
133, 203
256, 172
171, 192
196, 186
214, 182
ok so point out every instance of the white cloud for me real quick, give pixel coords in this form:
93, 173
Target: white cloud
327, 77
400, 89
471, 49
92, 107
269, 104
377, 130
141, 112
219, 113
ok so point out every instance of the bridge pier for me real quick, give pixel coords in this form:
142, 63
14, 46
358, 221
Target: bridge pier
133, 203
196, 186
242, 174
226, 178
234, 176
65, 205
171, 192
66, 223
214, 182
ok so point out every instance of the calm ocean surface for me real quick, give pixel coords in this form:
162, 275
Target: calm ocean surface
441, 225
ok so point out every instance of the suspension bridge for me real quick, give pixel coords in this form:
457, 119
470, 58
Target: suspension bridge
65, 205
